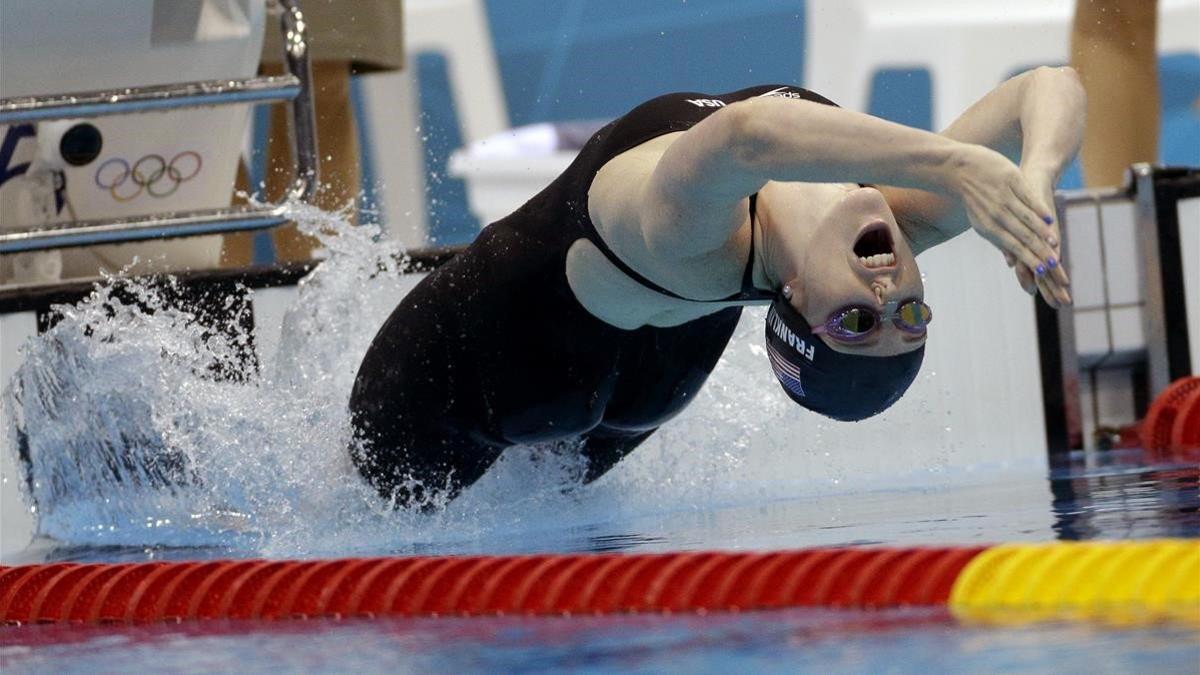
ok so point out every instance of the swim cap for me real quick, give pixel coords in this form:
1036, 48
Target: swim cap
846, 387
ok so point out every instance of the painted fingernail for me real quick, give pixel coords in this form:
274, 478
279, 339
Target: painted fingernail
1047, 219
1051, 262
1041, 269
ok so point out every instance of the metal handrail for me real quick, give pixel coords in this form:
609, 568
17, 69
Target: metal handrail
140, 228
41, 297
1103, 195
295, 86
144, 99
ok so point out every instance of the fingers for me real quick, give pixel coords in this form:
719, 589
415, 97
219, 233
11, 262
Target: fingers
1024, 276
1055, 293
1047, 225
1040, 234
1053, 282
1011, 234
1039, 219
1010, 216
1034, 235
1026, 279
1055, 297
1032, 285
1004, 240
1037, 201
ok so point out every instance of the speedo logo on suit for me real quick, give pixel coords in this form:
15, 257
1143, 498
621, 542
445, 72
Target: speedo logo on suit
781, 92
778, 92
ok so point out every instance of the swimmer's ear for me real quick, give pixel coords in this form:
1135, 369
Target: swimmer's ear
793, 292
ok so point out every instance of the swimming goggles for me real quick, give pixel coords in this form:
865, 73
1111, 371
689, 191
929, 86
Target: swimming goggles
854, 323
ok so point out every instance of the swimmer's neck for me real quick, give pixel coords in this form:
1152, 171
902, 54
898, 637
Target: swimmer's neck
789, 215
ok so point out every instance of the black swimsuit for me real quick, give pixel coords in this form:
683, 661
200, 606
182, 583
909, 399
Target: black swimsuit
493, 349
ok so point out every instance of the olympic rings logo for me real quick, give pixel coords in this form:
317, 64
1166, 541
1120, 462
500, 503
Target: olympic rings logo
149, 174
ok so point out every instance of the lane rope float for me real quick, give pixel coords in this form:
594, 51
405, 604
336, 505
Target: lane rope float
1128, 582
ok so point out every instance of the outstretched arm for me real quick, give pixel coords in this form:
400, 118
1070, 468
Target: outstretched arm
1038, 117
686, 200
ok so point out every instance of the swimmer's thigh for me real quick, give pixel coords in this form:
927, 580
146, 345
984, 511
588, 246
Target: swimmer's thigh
410, 464
416, 405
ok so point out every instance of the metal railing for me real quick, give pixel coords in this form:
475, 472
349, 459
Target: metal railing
1164, 316
1155, 193
295, 86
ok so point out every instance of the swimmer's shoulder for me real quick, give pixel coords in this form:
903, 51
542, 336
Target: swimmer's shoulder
707, 102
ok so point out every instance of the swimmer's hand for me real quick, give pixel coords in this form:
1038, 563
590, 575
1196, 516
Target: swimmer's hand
1043, 179
1012, 210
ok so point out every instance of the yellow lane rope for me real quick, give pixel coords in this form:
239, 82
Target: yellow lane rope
1117, 582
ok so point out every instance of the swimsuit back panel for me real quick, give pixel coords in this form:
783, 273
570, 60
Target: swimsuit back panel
500, 349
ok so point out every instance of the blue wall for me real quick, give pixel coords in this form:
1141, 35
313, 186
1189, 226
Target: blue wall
574, 59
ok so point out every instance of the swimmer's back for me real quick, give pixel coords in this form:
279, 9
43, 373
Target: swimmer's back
493, 349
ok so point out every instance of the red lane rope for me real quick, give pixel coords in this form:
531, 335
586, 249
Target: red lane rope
479, 585
1171, 428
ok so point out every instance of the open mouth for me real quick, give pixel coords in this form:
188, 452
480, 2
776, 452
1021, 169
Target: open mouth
874, 247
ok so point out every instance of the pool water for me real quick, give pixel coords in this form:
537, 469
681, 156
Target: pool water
903, 641
1111, 496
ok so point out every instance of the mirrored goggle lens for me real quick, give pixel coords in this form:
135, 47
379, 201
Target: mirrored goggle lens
914, 316
855, 323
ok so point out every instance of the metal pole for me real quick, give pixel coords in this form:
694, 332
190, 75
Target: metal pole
1160, 249
296, 86
1056, 339
1154, 325
1059, 356
1103, 195
304, 121
140, 228
144, 99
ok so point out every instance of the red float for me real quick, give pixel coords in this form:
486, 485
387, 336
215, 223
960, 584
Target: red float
1171, 428
478, 585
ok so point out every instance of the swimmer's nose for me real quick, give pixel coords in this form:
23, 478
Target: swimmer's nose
884, 288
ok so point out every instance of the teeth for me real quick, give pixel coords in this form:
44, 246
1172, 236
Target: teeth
878, 260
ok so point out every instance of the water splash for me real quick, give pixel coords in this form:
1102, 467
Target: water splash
131, 438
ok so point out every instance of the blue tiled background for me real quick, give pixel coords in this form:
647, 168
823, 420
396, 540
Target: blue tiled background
575, 59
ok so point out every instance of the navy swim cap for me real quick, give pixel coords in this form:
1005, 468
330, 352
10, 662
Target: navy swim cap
846, 387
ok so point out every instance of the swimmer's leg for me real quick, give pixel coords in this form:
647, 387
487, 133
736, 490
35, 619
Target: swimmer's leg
604, 446
421, 469
417, 403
